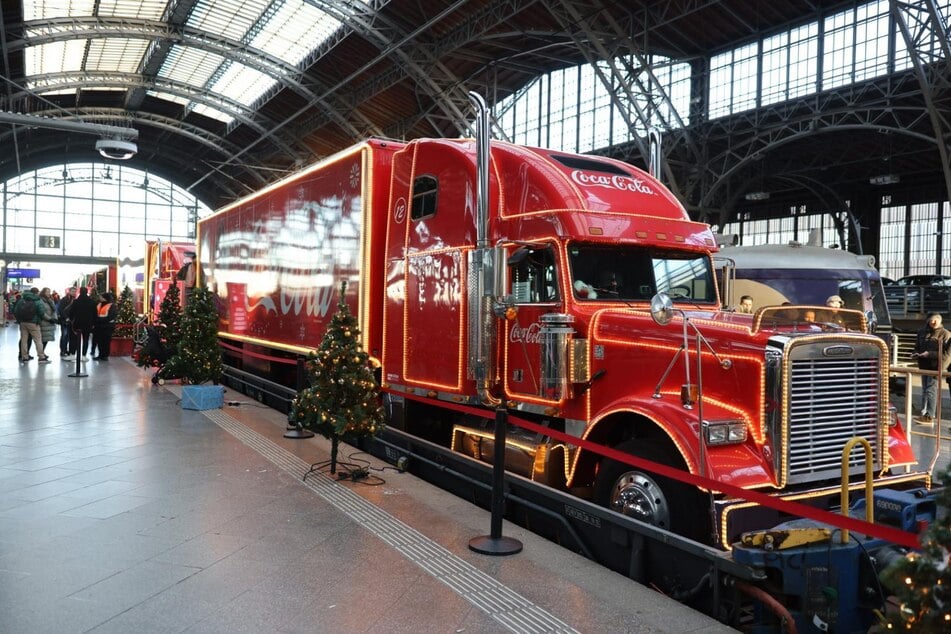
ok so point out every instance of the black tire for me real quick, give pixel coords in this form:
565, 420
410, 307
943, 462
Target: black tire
653, 499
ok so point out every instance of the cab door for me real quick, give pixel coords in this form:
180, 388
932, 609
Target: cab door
535, 286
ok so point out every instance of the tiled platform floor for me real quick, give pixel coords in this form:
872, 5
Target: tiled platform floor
121, 512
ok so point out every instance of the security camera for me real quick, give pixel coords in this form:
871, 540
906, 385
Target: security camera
116, 149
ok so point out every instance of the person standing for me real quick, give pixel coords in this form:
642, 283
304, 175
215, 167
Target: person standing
82, 314
187, 274
105, 324
29, 312
834, 302
932, 341
67, 339
48, 325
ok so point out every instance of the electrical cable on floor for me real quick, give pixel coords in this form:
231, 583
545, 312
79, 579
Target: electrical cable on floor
347, 471
369, 467
247, 403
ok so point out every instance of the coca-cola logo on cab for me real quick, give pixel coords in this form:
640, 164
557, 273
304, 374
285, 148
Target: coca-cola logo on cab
611, 181
530, 334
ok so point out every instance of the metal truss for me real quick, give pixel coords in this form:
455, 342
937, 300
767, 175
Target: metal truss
419, 62
143, 119
737, 143
626, 74
164, 35
76, 80
925, 32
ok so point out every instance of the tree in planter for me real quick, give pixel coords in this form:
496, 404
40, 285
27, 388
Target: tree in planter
921, 581
343, 396
125, 314
198, 357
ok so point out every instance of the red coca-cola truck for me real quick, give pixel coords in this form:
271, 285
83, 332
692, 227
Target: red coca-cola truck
575, 292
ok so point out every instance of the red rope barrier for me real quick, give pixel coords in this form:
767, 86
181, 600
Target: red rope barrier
798, 509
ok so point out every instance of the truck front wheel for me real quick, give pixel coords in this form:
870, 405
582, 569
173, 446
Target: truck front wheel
652, 499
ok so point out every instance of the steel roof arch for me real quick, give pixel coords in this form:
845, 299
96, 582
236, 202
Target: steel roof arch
286, 75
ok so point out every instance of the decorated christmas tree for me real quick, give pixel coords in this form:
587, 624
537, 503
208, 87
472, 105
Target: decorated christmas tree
921, 581
170, 317
198, 357
343, 396
169, 331
125, 313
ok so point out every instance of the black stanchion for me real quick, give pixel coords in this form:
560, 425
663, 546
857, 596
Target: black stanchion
294, 430
494, 543
298, 432
79, 368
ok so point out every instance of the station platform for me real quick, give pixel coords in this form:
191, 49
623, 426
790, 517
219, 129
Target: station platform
122, 512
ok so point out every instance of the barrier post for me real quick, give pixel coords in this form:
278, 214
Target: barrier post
844, 494
79, 368
494, 543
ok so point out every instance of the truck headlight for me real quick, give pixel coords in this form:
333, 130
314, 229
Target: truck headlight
725, 432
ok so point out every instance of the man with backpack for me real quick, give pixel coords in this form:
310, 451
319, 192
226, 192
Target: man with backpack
29, 312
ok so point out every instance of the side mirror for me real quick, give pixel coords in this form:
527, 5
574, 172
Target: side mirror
518, 255
872, 321
662, 308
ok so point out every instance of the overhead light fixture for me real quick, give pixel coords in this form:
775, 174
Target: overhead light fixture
116, 149
757, 196
884, 179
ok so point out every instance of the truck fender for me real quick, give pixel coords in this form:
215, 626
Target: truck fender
664, 421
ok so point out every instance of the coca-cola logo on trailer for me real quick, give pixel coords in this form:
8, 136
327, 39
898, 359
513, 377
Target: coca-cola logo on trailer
531, 334
611, 181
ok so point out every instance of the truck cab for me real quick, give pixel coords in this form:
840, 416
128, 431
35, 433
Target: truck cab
778, 274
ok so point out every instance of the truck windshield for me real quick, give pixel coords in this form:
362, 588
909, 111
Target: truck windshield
628, 273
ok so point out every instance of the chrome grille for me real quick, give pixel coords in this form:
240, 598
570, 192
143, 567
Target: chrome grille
831, 400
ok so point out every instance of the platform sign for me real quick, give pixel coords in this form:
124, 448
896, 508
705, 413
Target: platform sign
49, 242
13, 273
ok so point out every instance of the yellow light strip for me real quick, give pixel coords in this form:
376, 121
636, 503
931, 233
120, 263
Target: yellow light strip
266, 343
339, 156
460, 358
366, 273
407, 221
386, 265
691, 465
882, 427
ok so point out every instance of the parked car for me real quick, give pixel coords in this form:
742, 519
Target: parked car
924, 280
887, 281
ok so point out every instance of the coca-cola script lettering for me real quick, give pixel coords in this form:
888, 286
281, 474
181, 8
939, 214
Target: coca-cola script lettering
530, 334
611, 181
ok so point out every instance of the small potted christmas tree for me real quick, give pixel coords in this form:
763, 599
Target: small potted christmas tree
343, 397
921, 581
170, 318
125, 323
197, 359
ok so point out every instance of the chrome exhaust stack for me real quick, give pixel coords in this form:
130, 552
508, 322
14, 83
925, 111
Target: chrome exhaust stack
483, 261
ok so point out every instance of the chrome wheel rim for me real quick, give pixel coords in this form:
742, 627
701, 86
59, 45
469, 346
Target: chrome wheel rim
637, 495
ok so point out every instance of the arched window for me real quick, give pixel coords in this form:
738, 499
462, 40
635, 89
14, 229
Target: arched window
94, 210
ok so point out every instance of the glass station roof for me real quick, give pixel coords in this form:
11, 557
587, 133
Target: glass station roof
109, 44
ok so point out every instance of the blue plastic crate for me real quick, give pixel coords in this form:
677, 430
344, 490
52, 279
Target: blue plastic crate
202, 396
